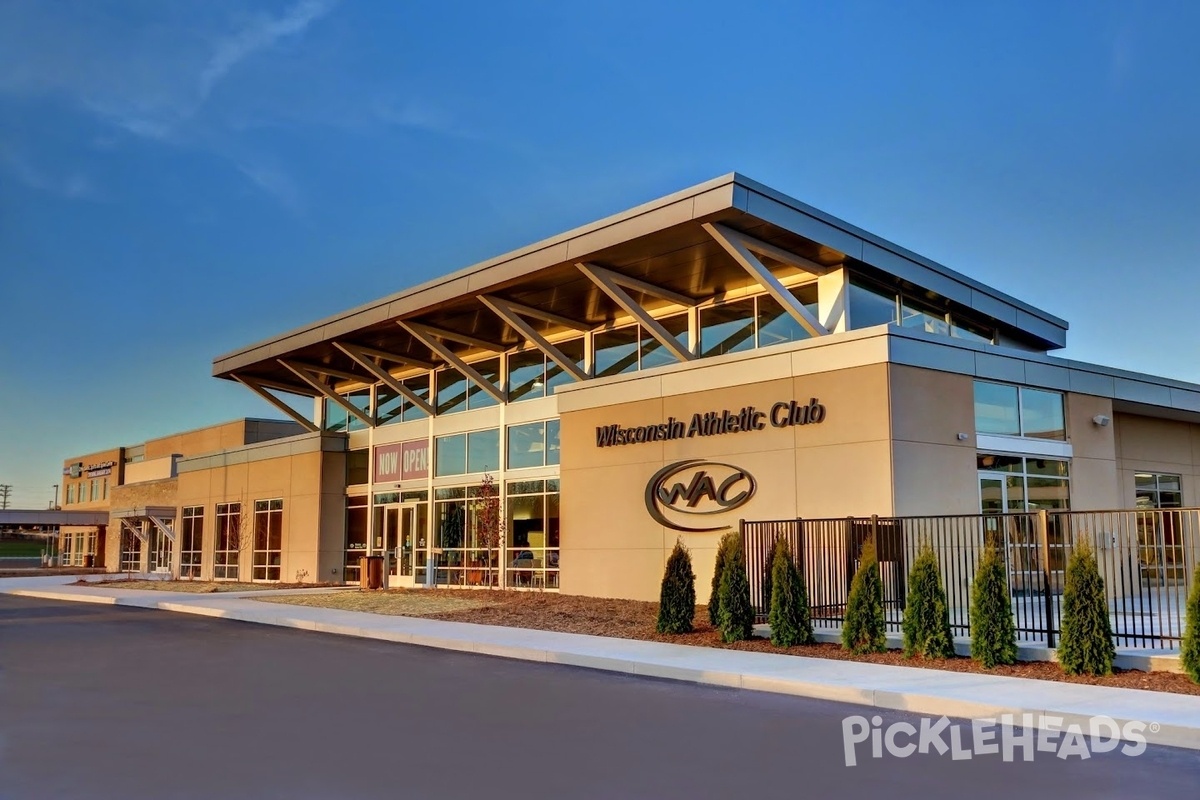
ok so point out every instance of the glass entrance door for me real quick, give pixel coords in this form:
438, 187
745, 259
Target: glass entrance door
403, 539
160, 550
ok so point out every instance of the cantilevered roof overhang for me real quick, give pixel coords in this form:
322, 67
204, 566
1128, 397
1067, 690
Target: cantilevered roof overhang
667, 244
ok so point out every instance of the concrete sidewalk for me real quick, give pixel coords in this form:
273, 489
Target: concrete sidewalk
1171, 719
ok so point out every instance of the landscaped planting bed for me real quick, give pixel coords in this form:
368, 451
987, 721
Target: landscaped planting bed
631, 619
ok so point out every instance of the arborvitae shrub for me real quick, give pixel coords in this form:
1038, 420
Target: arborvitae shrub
993, 632
1189, 653
1086, 642
714, 599
768, 568
926, 616
790, 619
737, 614
864, 629
677, 600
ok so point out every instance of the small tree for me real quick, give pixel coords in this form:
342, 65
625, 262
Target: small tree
926, 623
677, 600
768, 568
1086, 643
714, 599
489, 521
1189, 653
790, 619
736, 619
993, 632
864, 629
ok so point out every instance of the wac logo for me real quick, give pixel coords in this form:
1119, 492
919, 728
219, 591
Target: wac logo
697, 488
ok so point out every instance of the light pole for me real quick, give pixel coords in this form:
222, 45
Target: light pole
54, 502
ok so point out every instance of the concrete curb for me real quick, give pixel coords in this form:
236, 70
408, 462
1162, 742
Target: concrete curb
1172, 720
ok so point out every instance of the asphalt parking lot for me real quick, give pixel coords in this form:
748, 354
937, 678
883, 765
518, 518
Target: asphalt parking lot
109, 702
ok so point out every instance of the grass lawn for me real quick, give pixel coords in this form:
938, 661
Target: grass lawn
21, 548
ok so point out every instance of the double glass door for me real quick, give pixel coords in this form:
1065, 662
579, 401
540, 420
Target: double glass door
160, 550
401, 535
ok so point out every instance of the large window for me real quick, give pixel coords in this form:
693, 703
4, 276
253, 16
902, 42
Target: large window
533, 534
531, 374
336, 417
268, 539
533, 445
461, 552
1158, 490
871, 305
131, 551
1019, 411
70, 494
358, 467
360, 399
753, 322
191, 541
393, 407
229, 541
463, 453
456, 393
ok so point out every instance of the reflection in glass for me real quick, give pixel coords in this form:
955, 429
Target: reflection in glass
1042, 414
555, 375
389, 405
616, 351
552, 441
418, 385
918, 315
526, 445
451, 391
335, 416
777, 326
727, 328
526, 375
870, 306
360, 399
489, 369
996, 410
653, 352
483, 450
450, 455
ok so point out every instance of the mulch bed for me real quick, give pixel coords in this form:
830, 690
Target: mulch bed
630, 619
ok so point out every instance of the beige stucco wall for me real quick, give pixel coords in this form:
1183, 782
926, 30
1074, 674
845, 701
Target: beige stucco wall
1145, 444
313, 520
611, 547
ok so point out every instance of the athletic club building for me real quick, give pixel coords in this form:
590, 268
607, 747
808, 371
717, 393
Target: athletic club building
722, 353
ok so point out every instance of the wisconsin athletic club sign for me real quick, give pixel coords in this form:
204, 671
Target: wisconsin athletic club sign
696, 488
783, 414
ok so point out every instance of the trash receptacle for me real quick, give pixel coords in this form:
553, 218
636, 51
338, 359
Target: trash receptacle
370, 570
89, 561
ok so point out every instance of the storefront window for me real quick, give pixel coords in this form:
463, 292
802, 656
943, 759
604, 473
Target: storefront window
461, 453
268, 540
1158, 490
229, 541
191, 545
358, 467
533, 445
533, 534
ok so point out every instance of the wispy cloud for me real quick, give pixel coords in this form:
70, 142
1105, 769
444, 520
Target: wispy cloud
75, 186
275, 182
260, 35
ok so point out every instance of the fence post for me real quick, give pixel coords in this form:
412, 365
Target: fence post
1043, 529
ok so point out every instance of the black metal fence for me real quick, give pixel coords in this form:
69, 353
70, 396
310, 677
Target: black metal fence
1146, 557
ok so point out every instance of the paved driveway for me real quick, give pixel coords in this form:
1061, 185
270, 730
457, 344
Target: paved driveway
108, 702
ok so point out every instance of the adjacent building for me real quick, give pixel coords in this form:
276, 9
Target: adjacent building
722, 353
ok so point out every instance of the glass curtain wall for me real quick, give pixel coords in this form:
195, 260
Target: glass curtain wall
531, 559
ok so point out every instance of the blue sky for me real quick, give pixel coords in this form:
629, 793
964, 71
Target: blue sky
181, 179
